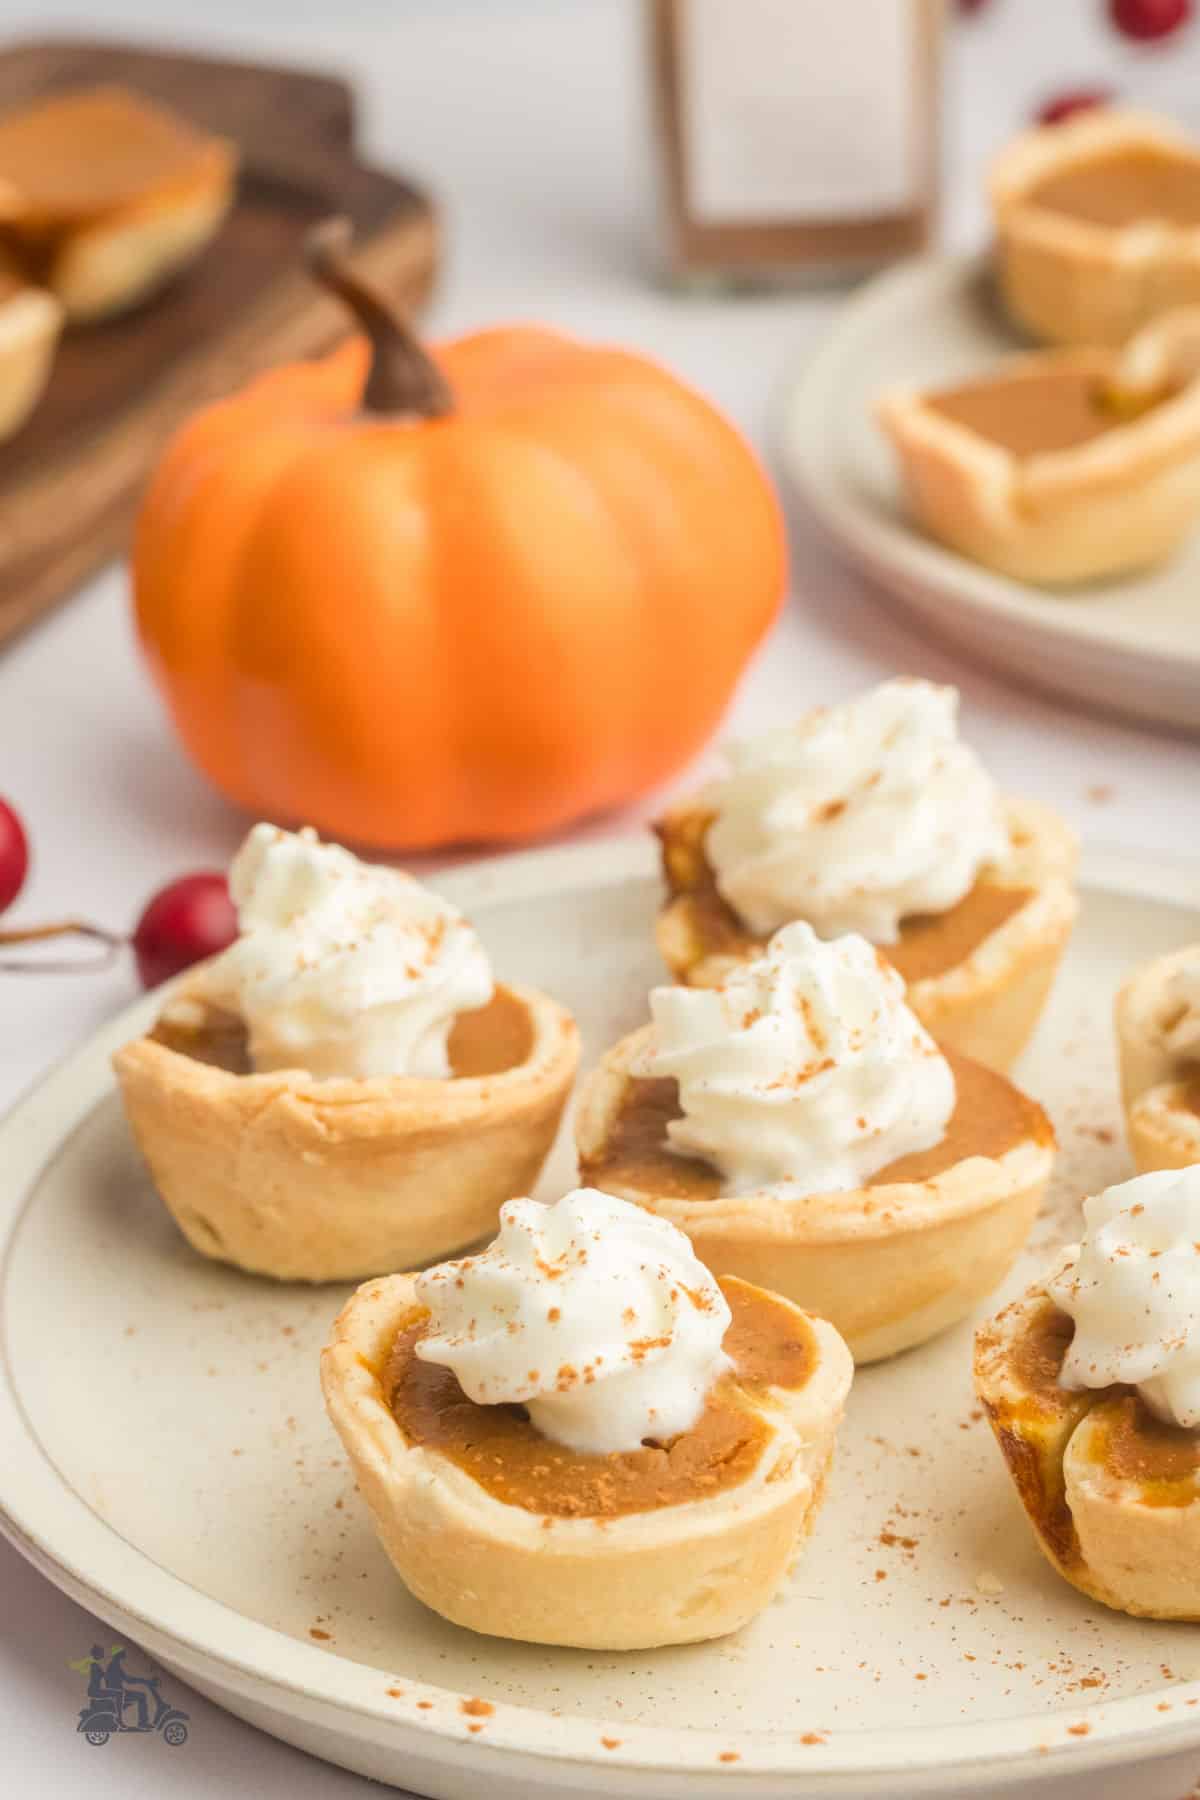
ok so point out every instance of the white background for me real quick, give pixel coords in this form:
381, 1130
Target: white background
525, 116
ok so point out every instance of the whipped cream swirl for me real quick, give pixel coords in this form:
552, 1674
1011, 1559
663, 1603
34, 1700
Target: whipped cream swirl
1181, 1033
857, 817
1133, 1289
593, 1314
342, 968
804, 1069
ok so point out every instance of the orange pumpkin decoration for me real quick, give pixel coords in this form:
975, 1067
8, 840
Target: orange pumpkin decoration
418, 600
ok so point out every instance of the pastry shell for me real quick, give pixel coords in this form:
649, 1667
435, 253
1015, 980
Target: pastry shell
1163, 1126
107, 268
1124, 500
673, 1575
332, 1180
1140, 1016
1099, 1530
1070, 281
889, 1266
1158, 1085
986, 1006
30, 323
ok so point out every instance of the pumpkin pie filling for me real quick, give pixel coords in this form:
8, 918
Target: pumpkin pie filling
1038, 1355
990, 1117
497, 1446
930, 945
1162, 1460
488, 1041
1128, 1442
1126, 187
1035, 411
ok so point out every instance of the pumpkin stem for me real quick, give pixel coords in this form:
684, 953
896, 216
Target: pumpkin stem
403, 377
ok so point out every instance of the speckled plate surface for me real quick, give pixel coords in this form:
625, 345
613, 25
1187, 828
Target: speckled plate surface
167, 1461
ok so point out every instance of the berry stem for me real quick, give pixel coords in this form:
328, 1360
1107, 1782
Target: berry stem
111, 941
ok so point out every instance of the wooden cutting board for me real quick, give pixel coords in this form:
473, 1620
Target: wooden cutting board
70, 478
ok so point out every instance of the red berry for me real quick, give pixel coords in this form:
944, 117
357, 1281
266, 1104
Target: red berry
189, 919
1073, 100
1149, 19
14, 855
971, 6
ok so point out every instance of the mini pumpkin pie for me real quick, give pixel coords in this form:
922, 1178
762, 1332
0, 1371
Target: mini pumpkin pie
105, 195
1097, 225
30, 325
873, 816
1091, 1383
1158, 1045
345, 1088
804, 1130
1063, 466
579, 1437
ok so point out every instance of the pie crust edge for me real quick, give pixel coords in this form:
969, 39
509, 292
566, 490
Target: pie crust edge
988, 1005
1068, 281
1125, 500
885, 1285
316, 1181
678, 1574
1136, 1558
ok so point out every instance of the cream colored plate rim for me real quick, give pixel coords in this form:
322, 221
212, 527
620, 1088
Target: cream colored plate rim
897, 552
46, 1520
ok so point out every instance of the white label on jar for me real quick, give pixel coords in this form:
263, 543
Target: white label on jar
799, 109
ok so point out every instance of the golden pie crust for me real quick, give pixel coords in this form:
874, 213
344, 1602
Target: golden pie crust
1163, 1125
1142, 1015
1072, 272
1063, 466
978, 978
1112, 1494
1159, 1087
331, 1180
677, 1570
30, 324
105, 195
890, 1264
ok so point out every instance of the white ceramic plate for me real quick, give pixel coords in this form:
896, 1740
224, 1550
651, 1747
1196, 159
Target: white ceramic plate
1130, 646
166, 1460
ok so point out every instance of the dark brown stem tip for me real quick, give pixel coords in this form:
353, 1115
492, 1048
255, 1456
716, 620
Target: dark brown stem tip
327, 246
402, 378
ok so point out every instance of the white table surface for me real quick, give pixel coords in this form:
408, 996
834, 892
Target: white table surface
525, 116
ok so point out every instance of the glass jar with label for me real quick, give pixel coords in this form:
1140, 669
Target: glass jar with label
797, 138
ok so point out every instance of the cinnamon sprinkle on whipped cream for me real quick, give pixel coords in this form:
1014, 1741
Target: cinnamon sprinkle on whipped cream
343, 968
1132, 1286
856, 817
804, 1069
628, 1351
